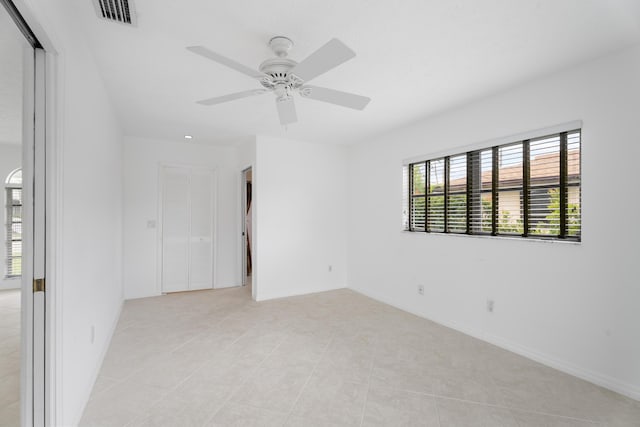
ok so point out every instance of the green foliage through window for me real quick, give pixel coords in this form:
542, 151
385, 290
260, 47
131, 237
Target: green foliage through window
455, 194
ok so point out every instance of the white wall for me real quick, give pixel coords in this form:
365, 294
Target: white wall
88, 281
301, 200
572, 306
142, 159
10, 160
246, 154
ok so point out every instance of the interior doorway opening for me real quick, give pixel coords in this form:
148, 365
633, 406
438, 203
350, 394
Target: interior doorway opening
247, 228
14, 51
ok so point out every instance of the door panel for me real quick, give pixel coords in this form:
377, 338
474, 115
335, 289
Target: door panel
201, 230
23, 124
175, 230
187, 229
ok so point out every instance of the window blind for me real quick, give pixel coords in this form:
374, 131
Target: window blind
528, 188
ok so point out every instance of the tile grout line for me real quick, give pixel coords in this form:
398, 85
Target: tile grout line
366, 396
216, 325
493, 381
313, 371
179, 383
493, 405
241, 383
435, 403
128, 377
205, 362
500, 394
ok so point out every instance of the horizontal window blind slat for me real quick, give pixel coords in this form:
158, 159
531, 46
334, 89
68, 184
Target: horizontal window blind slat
467, 200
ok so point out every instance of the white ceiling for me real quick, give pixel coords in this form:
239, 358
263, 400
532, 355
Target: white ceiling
11, 48
414, 58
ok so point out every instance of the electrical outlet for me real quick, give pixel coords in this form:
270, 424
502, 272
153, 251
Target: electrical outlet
93, 333
330, 269
421, 289
490, 305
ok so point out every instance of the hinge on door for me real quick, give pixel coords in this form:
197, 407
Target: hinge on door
38, 285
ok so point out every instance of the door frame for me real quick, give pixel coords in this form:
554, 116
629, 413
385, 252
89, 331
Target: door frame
51, 107
241, 239
243, 223
214, 220
26, 280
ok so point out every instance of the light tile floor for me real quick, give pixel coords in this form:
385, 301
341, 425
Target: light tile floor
10, 358
216, 358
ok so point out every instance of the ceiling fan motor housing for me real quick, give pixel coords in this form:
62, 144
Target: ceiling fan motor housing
277, 69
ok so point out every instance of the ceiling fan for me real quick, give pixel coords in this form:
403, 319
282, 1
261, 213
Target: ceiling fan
284, 77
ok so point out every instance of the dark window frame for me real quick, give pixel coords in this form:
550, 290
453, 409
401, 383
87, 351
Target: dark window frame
474, 190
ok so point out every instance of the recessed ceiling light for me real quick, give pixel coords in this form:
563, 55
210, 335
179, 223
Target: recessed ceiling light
188, 137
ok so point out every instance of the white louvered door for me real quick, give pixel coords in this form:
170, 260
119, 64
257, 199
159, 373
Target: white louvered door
201, 248
187, 229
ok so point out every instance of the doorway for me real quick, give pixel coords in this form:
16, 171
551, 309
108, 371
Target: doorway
22, 170
186, 228
247, 228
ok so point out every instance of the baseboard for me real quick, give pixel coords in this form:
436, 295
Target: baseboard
605, 381
306, 291
233, 285
155, 294
98, 366
613, 384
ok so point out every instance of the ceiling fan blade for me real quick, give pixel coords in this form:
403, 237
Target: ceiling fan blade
203, 51
337, 97
232, 96
286, 110
322, 60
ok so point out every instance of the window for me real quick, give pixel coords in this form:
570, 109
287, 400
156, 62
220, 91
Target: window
13, 187
527, 188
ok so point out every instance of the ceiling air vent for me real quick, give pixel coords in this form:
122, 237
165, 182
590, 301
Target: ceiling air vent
121, 11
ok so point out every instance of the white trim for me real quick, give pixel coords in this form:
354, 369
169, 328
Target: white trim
28, 149
563, 127
254, 232
214, 227
39, 246
53, 357
55, 248
241, 224
243, 208
159, 223
518, 238
602, 380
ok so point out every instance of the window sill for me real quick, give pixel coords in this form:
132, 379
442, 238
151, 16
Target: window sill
513, 238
